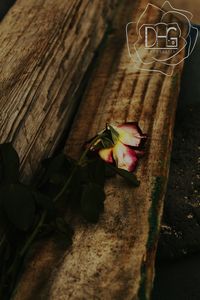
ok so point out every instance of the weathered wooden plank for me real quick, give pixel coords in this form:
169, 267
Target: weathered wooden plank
114, 259
191, 6
46, 48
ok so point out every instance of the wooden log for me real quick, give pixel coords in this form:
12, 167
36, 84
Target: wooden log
114, 259
46, 48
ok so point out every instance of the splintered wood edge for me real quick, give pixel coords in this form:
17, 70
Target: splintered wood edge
114, 259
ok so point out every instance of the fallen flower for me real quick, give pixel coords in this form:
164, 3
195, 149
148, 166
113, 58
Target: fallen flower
80, 182
127, 141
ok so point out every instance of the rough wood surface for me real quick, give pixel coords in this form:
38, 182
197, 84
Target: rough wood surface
191, 6
114, 259
46, 48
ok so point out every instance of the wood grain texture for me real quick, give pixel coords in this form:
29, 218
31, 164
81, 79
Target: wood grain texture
114, 259
191, 6
46, 48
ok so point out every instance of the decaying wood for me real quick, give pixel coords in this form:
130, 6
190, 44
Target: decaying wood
114, 259
46, 48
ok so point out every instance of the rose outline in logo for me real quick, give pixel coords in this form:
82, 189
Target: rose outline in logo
187, 43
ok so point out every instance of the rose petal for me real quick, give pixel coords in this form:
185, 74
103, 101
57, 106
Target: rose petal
130, 134
125, 157
106, 155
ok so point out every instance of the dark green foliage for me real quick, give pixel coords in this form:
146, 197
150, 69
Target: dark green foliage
28, 213
9, 164
19, 205
130, 177
92, 200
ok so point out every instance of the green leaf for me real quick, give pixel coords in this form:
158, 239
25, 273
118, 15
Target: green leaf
96, 171
130, 177
44, 202
92, 202
1, 170
63, 233
19, 206
114, 134
109, 172
55, 175
106, 142
75, 188
57, 169
62, 226
9, 161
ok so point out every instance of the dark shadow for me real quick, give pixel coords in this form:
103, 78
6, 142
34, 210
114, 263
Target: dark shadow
179, 279
5, 6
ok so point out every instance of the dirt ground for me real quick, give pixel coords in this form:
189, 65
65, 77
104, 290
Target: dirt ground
180, 234
178, 256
